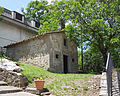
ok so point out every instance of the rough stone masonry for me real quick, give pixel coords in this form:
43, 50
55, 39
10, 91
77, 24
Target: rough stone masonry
52, 51
13, 78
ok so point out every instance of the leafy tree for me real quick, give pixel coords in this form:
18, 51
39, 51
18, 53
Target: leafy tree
93, 61
58, 13
98, 22
95, 23
79, 59
115, 54
36, 11
41, 12
1, 10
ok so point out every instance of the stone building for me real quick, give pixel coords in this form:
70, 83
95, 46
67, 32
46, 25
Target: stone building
52, 51
15, 27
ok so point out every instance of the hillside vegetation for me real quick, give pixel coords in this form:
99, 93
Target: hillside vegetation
59, 84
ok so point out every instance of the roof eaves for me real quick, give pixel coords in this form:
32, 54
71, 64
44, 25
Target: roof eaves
19, 23
37, 36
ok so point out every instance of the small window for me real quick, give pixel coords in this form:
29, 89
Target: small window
73, 60
65, 43
57, 56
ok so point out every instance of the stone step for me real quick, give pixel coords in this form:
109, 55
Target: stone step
45, 93
115, 89
103, 85
3, 83
9, 89
18, 94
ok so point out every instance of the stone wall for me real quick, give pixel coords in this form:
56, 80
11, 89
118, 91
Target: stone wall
13, 78
46, 51
118, 74
115, 84
35, 52
70, 50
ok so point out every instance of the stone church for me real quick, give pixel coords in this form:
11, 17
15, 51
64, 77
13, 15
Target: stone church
52, 51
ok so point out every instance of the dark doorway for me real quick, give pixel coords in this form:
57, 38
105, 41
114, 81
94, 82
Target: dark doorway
65, 63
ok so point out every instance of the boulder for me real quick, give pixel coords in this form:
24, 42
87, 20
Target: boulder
13, 78
10, 65
10, 73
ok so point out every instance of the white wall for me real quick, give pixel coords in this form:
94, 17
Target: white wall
10, 33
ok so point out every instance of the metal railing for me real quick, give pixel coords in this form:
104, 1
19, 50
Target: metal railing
109, 68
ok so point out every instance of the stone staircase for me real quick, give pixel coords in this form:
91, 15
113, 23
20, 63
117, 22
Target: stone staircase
115, 84
44, 92
6, 90
103, 85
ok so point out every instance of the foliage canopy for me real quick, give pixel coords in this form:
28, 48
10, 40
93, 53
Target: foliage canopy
95, 23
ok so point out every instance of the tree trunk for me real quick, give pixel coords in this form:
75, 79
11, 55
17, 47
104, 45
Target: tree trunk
82, 58
104, 54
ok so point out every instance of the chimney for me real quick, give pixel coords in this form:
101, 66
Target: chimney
61, 24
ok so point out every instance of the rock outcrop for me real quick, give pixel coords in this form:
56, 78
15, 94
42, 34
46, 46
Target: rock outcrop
10, 65
10, 73
13, 78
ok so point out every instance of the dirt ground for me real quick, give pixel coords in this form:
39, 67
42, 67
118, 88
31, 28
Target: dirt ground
86, 88
94, 86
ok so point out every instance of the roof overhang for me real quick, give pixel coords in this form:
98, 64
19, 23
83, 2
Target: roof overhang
18, 23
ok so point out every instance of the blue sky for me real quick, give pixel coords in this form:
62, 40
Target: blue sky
15, 5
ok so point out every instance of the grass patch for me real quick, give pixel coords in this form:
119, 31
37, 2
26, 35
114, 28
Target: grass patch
58, 84
85, 88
